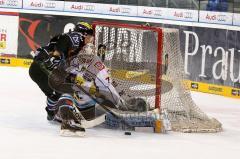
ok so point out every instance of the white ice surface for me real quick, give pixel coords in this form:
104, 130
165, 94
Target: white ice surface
26, 134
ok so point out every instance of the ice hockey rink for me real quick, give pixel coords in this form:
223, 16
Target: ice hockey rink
26, 134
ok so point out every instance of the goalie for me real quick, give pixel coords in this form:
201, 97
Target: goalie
85, 82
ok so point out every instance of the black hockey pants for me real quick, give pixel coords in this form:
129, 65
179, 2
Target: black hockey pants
41, 79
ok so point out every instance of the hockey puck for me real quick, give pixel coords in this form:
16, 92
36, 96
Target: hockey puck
127, 133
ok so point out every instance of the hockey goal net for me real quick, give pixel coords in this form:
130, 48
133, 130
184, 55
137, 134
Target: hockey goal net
146, 62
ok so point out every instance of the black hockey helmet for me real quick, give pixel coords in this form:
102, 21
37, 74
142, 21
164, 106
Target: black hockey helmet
84, 28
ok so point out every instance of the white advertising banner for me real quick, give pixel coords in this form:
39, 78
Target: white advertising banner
216, 17
182, 14
97, 8
236, 19
10, 3
9, 34
151, 12
82, 7
120, 10
168, 13
43, 5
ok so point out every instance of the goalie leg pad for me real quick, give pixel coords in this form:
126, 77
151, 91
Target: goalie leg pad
133, 120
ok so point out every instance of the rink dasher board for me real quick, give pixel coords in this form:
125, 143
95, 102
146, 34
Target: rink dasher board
192, 85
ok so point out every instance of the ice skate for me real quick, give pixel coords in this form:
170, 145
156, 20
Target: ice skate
70, 125
68, 129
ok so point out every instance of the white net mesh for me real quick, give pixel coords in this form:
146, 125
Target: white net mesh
131, 58
184, 114
132, 55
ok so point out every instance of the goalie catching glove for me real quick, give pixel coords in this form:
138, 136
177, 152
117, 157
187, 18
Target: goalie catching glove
79, 80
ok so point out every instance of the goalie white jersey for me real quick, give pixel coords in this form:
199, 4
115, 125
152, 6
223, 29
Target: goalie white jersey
95, 79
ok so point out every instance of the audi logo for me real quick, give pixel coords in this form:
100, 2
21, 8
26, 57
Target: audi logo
221, 18
50, 5
12, 2
126, 10
158, 12
188, 15
89, 7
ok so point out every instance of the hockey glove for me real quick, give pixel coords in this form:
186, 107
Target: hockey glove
52, 63
79, 80
93, 90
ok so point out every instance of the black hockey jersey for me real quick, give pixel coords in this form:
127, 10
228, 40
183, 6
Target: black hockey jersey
44, 53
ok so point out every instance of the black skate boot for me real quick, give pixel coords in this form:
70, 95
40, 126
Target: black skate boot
71, 125
50, 114
52, 108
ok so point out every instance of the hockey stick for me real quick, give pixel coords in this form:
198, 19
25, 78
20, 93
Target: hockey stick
87, 123
105, 105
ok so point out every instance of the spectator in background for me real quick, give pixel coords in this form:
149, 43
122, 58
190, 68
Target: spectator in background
102, 52
217, 5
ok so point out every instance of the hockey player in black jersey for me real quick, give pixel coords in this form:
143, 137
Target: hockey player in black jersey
48, 58
43, 63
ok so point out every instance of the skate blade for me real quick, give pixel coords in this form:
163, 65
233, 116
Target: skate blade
68, 133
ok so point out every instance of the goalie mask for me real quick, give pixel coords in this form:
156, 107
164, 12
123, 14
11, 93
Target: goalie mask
82, 60
88, 49
86, 55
